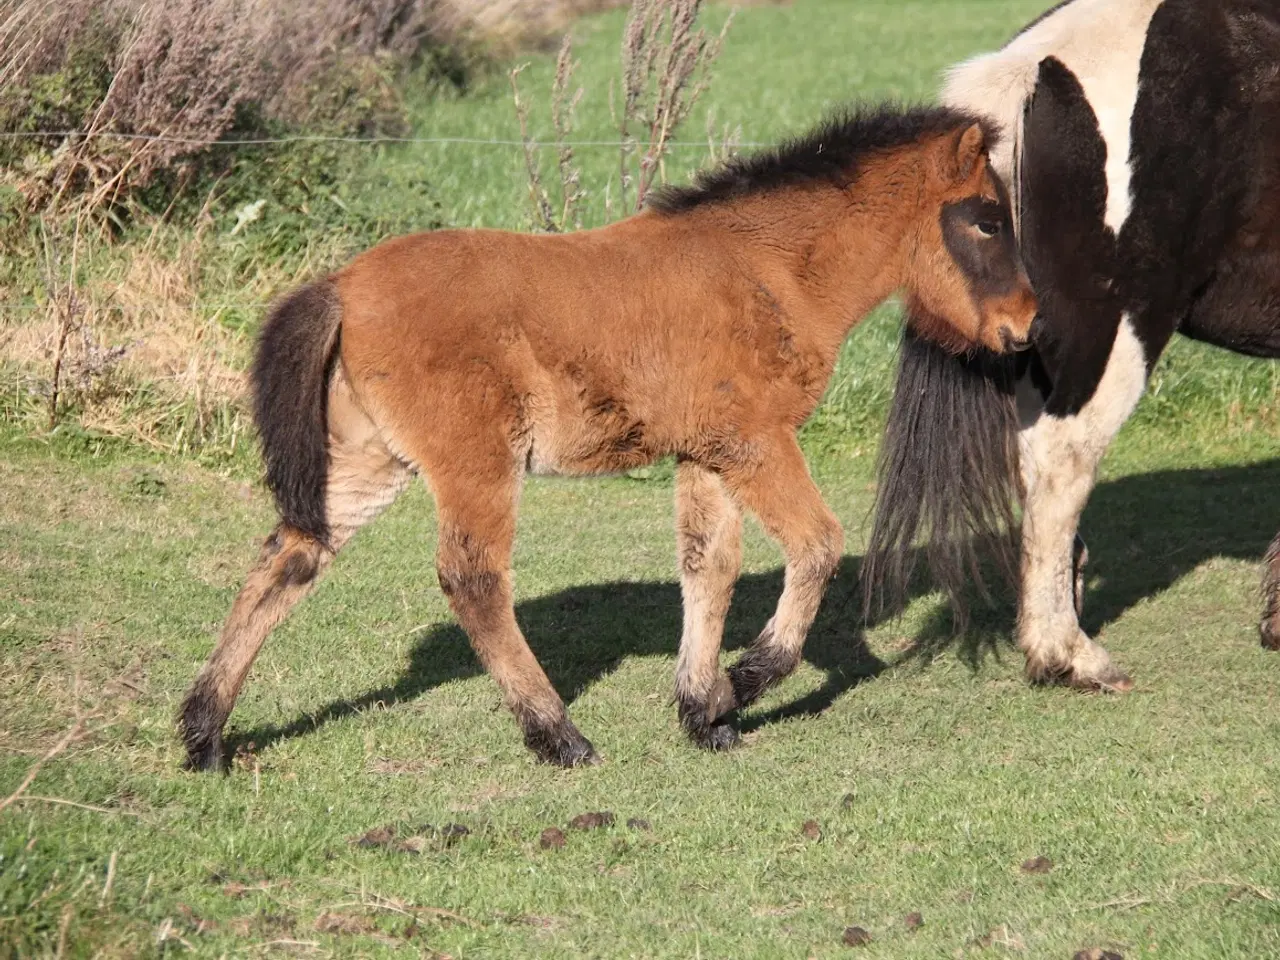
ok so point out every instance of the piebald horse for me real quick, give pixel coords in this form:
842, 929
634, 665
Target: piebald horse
1143, 157
705, 327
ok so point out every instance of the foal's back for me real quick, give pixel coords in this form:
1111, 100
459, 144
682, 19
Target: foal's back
594, 351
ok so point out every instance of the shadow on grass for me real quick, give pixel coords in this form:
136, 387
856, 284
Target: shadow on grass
1144, 532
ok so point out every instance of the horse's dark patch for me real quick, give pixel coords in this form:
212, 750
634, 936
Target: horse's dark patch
704, 725
829, 155
1068, 251
1191, 160
299, 568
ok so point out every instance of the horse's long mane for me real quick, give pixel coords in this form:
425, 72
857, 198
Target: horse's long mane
828, 154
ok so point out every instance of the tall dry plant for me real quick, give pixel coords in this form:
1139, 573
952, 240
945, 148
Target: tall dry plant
666, 67
564, 103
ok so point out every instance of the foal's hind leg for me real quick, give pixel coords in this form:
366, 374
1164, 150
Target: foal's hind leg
476, 505
363, 479
1270, 626
709, 544
783, 495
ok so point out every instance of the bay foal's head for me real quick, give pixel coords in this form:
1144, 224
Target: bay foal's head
964, 282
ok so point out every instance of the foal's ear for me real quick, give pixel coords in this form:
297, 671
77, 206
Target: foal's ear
964, 153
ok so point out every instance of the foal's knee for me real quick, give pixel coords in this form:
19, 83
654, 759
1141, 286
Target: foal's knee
827, 551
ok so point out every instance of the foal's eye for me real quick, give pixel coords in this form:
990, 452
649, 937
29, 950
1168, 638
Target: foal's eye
988, 228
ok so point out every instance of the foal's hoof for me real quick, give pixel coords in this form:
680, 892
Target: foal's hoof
703, 720
1270, 634
206, 757
562, 746
717, 737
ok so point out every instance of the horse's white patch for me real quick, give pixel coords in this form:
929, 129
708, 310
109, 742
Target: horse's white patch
1059, 457
1101, 42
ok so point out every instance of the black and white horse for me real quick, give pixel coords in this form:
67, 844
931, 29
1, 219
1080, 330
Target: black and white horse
1142, 151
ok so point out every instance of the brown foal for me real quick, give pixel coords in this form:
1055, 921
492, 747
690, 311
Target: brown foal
705, 327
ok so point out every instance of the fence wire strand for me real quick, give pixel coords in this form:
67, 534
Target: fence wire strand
308, 138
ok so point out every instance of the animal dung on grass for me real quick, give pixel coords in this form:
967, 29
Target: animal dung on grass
856, 937
704, 328
592, 821
810, 830
1037, 865
552, 838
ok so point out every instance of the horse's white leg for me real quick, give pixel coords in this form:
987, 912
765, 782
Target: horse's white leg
1058, 457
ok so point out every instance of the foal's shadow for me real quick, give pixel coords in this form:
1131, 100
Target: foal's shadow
1144, 533
582, 634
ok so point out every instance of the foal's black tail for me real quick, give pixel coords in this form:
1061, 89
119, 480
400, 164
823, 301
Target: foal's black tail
290, 380
949, 465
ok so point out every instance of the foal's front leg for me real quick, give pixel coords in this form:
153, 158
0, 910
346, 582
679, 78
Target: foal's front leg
783, 495
709, 546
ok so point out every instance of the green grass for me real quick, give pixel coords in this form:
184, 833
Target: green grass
931, 769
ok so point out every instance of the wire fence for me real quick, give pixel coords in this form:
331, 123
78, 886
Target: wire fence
308, 138
217, 307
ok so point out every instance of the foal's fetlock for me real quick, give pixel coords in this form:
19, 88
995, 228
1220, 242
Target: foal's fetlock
560, 744
200, 725
703, 717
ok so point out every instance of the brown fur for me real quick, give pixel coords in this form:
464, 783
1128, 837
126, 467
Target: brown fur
708, 332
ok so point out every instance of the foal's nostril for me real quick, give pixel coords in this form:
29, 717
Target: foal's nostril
1010, 344
1037, 325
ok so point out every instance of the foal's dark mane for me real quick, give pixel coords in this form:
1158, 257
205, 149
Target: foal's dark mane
829, 154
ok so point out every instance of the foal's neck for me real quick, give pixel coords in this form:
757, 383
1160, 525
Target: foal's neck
828, 255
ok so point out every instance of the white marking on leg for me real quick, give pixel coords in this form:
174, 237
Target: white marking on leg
1059, 457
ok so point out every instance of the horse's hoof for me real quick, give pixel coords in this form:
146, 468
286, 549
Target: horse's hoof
1110, 680
562, 746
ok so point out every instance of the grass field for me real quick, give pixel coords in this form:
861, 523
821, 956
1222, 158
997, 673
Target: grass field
931, 771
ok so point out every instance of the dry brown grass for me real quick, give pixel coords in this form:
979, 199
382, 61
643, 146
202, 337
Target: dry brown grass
146, 358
